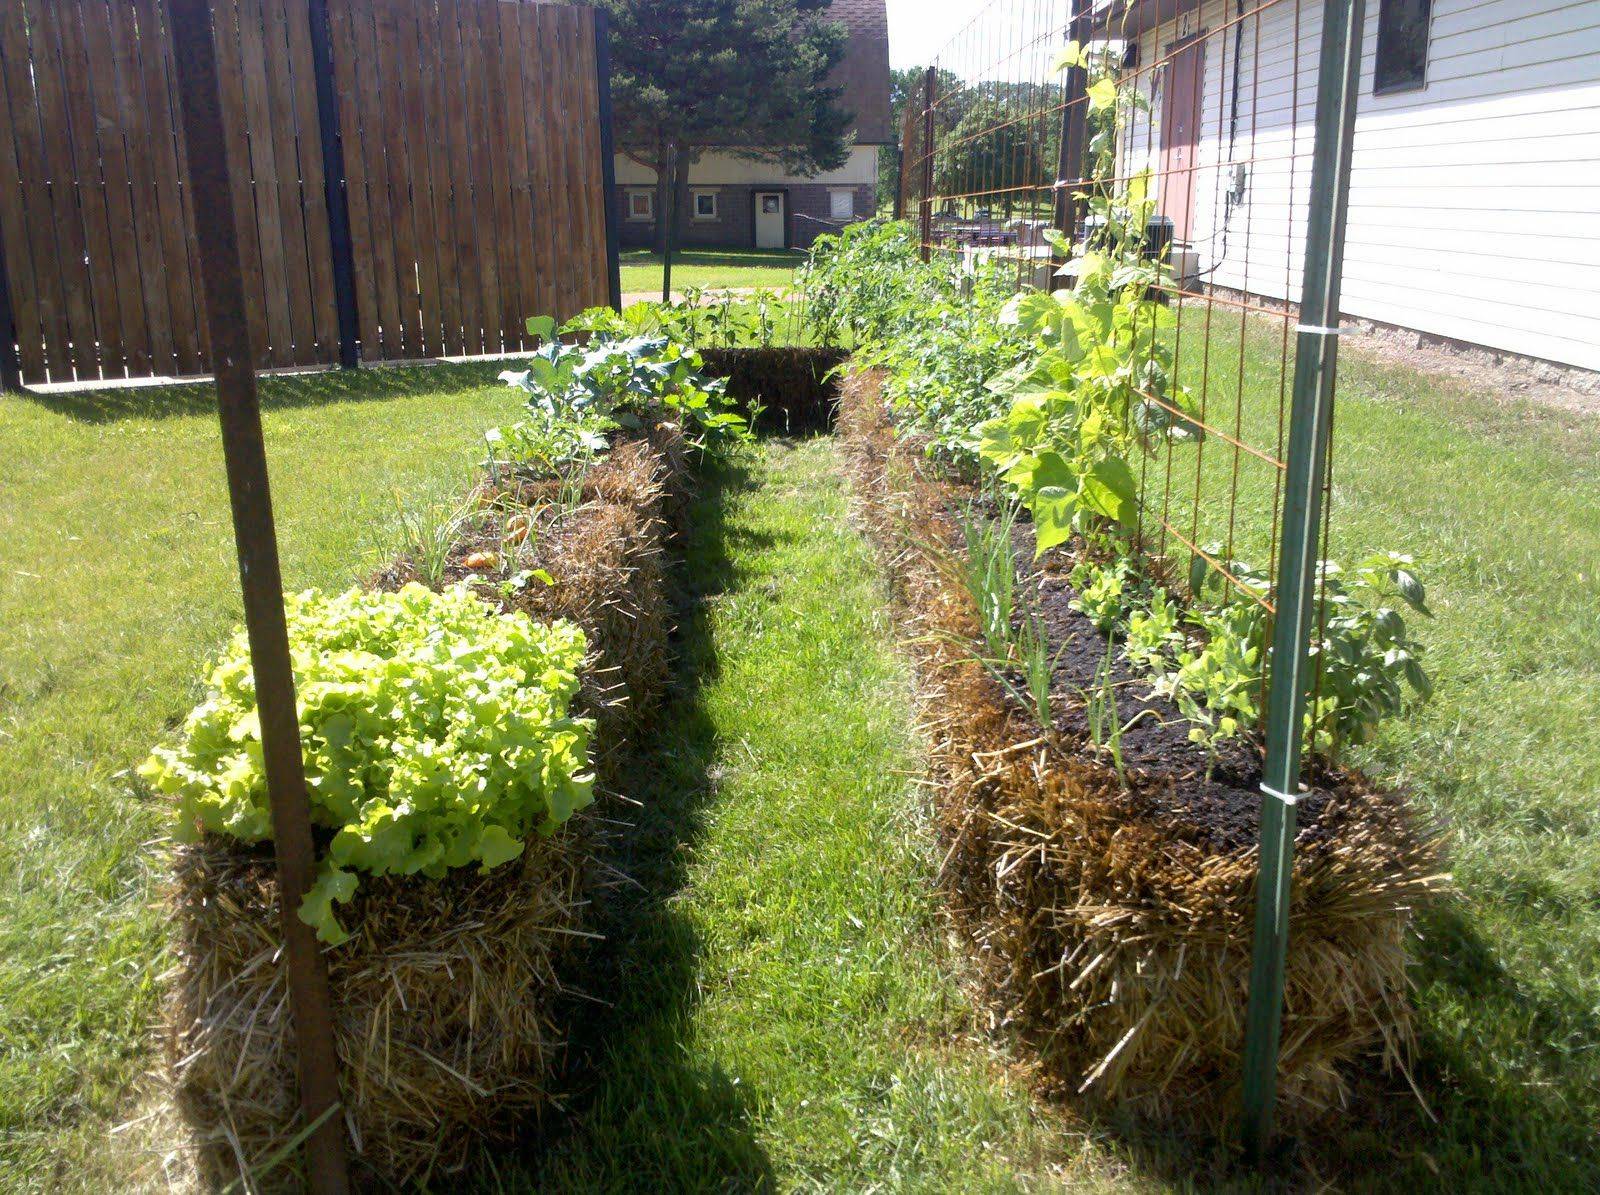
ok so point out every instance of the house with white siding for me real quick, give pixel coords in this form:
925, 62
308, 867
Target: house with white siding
1475, 183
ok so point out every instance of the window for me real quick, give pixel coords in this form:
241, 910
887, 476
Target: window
1402, 63
842, 205
641, 205
705, 205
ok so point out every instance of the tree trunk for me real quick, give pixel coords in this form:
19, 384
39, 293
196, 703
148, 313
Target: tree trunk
663, 194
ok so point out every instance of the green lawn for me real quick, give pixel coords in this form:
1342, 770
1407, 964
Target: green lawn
1498, 502
772, 268
787, 1017
785, 1013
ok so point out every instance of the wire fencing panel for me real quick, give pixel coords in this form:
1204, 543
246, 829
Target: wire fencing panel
1210, 107
471, 148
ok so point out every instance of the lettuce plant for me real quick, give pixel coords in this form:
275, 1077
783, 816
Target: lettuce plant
437, 734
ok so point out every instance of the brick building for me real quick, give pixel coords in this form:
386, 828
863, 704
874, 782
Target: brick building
737, 202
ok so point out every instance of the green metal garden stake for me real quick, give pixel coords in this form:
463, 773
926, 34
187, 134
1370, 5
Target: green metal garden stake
1316, 360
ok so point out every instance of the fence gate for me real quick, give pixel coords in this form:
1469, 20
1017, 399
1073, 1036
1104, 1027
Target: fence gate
469, 140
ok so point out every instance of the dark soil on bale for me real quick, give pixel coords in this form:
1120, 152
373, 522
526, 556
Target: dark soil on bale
1165, 769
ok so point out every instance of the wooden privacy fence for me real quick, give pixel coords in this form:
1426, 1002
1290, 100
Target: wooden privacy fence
416, 175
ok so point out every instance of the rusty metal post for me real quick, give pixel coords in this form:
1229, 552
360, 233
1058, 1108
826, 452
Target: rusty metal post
1072, 155
930, 94
233, 361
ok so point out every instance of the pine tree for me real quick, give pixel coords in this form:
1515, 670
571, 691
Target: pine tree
749, 77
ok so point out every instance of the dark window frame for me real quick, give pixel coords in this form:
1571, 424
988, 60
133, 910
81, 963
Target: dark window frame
1389, 75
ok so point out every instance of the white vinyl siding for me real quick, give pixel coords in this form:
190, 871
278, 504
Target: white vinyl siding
1474, 201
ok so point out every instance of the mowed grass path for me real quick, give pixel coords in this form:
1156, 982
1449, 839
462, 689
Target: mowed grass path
117, 577
786, 1014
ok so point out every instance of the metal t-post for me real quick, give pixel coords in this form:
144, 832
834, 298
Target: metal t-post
669, 242
1316, 360
930, 95
1072, 154
244, 454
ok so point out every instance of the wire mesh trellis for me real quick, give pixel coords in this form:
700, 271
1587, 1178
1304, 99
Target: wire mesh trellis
1215, 138
1213, 103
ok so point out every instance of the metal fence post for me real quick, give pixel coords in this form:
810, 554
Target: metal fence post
1316, 359
1070, 156
333, 187
930, 94
10, 358
244, 454
608, 157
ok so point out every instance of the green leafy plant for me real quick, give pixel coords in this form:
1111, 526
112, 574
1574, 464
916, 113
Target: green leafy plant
437, 734
988, 572
1369, 666
576, 392
429, 532
1153, 632
1104, 591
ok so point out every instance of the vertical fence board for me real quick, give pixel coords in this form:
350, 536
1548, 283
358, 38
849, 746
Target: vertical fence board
526, 264
356, 174
542, 298
415, 51
70, 125
126, 128
591, 187
230, 75
459, 134
158, 45
31, 311
560, 214
324, 313
435, 100
270, 217
286, 178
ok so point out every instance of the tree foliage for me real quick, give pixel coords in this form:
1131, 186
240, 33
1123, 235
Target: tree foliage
746, 76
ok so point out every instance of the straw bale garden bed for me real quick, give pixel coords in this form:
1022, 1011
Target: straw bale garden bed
1092, 707
521, 638
742, 936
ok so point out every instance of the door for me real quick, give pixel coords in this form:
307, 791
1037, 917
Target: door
771, 220
1180, 130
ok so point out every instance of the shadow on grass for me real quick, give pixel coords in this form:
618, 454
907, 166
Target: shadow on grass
1495, 1063
278, 392
1525, 1126
648, 1113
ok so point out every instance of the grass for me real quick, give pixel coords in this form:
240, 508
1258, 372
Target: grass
117, 576
1497, 501
771, 268
784, 1009
785, 1014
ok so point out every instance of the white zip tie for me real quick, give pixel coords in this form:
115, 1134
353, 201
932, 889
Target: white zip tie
1286, 798
1319, 330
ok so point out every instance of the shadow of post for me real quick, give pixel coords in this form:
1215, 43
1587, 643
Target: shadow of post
647, 1113
279, 392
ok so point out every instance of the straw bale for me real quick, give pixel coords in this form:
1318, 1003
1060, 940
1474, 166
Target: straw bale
1114, 939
